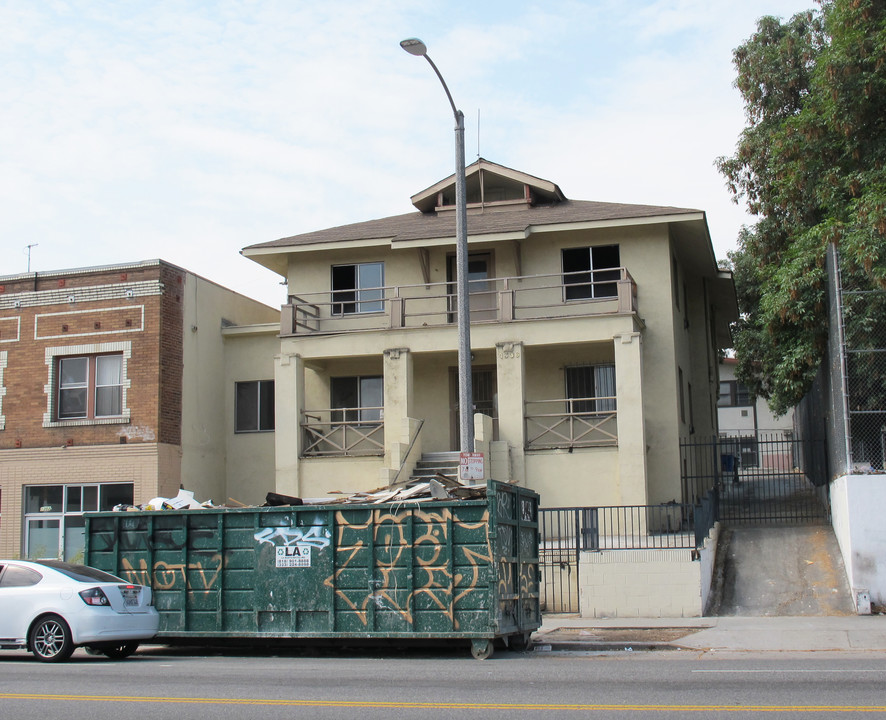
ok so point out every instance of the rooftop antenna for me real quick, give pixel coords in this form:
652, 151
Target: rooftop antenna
478, 132
28, 250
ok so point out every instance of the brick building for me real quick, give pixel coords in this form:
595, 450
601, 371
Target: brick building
111, 391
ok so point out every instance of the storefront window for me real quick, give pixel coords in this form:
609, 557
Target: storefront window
54, 522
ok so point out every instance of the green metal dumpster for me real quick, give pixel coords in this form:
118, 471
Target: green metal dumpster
465, 569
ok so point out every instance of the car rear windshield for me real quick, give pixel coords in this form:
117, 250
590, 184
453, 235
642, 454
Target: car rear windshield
80, 573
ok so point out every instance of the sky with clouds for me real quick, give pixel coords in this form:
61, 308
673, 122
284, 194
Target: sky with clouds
189, 129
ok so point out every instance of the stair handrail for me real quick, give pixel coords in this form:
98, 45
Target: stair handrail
421, 424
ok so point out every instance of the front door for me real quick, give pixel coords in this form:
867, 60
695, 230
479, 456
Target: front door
485, 399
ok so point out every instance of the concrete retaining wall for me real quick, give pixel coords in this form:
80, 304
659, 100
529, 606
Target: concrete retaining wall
647, 583
857, 503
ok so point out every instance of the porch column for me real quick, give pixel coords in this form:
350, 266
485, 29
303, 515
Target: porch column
631, 427
289, 402
398, 390
510, 371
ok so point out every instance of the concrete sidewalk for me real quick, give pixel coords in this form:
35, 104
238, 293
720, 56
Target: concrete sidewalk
737, 634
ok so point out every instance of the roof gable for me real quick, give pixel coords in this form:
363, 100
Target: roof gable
488, 184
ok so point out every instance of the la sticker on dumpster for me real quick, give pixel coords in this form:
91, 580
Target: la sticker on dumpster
294, 556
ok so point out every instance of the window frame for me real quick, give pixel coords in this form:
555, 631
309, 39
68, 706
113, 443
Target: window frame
595, 403
361, 299
738, 395
595, 280
53, 358
66, 519
92, 386
359, 412
265, 419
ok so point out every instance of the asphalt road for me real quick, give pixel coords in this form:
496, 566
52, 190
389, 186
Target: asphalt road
160, 684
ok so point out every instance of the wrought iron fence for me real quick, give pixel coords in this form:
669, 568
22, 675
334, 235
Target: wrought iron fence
564, 533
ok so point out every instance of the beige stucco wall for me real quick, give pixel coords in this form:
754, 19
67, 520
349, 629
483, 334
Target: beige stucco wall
664, 345
206, 389
247, 458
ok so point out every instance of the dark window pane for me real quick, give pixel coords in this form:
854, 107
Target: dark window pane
73, 371
43, 498
246, 411
80, 573
16, 576
604, 257
72, 402
74, 503
344, 289
580, 389
344, 394
115, 494
266, 405
576, 275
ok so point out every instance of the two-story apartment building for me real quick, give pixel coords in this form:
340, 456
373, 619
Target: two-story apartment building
113, 390
595, 329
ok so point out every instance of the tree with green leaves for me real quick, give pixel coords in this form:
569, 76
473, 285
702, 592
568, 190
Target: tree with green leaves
811, 165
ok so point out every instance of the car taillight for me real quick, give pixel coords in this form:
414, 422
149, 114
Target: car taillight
94, 596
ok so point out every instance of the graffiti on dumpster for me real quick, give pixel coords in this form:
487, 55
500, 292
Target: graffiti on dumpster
427, 561
196, 575
293, 545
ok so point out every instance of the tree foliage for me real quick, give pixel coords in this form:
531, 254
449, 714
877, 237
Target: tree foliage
811, 164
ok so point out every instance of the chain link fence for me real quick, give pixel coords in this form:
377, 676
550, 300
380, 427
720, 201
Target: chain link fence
847, 405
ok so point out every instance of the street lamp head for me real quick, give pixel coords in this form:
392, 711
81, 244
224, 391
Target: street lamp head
414, 46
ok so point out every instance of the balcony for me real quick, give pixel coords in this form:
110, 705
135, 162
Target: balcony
571, 423
343, 432
494, 300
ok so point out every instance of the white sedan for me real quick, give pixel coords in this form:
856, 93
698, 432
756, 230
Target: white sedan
51, 607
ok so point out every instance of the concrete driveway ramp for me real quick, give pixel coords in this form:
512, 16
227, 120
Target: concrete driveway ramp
782, 571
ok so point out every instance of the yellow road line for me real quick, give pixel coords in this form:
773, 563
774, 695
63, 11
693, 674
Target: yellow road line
448, 705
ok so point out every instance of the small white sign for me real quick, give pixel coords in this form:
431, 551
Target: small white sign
294, 556
471, 466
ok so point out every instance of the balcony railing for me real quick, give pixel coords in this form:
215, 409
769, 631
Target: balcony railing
507, 299
571, 422
343, 432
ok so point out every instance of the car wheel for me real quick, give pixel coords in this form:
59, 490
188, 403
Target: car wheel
123, 650
50, 639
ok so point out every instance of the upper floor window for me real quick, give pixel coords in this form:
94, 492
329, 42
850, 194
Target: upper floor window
734, 394
358, 288
254, 411
591, 272
90, 386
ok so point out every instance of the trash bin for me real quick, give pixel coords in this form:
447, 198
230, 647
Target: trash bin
459, 569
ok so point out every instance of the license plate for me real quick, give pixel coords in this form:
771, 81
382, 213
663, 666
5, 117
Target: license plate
130, 596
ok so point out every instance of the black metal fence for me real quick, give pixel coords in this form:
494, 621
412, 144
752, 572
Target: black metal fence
566, 532
763, 478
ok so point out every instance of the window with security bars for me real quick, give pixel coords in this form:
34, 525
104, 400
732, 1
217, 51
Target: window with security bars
590, 388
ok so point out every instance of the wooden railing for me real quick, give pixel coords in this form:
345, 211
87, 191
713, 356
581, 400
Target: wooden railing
343, 432
507, 299
571, 422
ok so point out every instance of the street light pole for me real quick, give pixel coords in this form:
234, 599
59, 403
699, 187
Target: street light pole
414, 46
